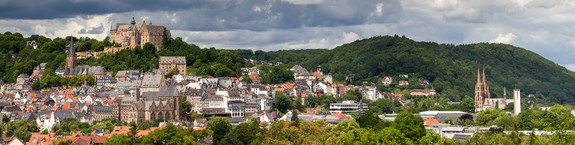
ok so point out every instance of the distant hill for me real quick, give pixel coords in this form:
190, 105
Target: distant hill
451, 69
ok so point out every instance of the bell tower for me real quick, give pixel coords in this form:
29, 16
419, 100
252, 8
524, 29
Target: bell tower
71, 57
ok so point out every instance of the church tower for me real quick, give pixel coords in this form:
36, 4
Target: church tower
70, 58
481, 89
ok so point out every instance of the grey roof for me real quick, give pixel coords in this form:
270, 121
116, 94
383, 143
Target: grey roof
461, 137
150, 96
215, 98
26, 116
172, 60
453, 129
169, 90
84, 69
238, 120
102, 109
23, 76
298, 70
152, 80
442, 116
195, 92
155, 29
65, 114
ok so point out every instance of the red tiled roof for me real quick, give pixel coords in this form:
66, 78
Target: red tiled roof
430, 121
340, 116
100, 139
316, 74
120, 130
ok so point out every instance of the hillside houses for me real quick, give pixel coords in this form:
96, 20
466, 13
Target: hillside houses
132, 95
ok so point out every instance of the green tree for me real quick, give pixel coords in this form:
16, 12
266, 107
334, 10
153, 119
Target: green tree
170, 134
118, 139
243, 132
390, 135
156, 122
299, 105
411, 125
186, 105
247, 79
382, 106
468, 104
173, 72
231, 139
146, 124
282, 102
430, 138
486, 117
220, 126
371, 120
22, 133
353, 95
295, 119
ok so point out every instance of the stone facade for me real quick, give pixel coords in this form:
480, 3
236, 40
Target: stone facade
481, 90
134, 34
167, 104
71, 57
169, 62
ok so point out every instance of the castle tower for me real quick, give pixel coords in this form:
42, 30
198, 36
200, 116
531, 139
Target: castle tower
71, 57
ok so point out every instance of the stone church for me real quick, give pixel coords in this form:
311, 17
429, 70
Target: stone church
167, 104
485, 99
481, 90
134, 34
72, 69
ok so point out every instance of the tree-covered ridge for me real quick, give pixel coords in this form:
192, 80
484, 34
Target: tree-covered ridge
17, 58
451, 69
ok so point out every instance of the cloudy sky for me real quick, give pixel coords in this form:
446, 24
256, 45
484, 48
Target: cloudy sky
544, 27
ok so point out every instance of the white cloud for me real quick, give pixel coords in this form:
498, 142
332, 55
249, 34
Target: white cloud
303, 2
379, 9
570, 67
507, 38
61, 27
257, 9
348, 37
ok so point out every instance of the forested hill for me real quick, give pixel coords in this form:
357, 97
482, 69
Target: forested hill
451, 69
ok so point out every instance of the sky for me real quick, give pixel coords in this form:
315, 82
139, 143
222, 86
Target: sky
544, 27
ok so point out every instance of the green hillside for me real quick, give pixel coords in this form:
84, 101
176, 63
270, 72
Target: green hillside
451, 69
17, 58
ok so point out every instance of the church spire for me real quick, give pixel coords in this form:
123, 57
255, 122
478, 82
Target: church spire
478, 76
71, 48
484, 82
133, 21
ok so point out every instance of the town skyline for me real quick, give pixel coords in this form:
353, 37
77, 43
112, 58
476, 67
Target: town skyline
295, 24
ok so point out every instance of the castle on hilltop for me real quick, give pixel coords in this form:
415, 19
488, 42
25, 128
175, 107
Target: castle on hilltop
134, 34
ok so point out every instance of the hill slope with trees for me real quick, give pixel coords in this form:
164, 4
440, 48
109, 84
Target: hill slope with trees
451, 69
16, 57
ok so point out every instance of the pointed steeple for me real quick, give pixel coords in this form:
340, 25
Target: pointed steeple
71, 49
478, 76
133, 21
484, 82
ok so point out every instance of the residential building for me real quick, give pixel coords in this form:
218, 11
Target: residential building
168, 63
348, 106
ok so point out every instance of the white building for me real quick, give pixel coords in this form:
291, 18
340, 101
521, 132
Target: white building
348, 106
517, 101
